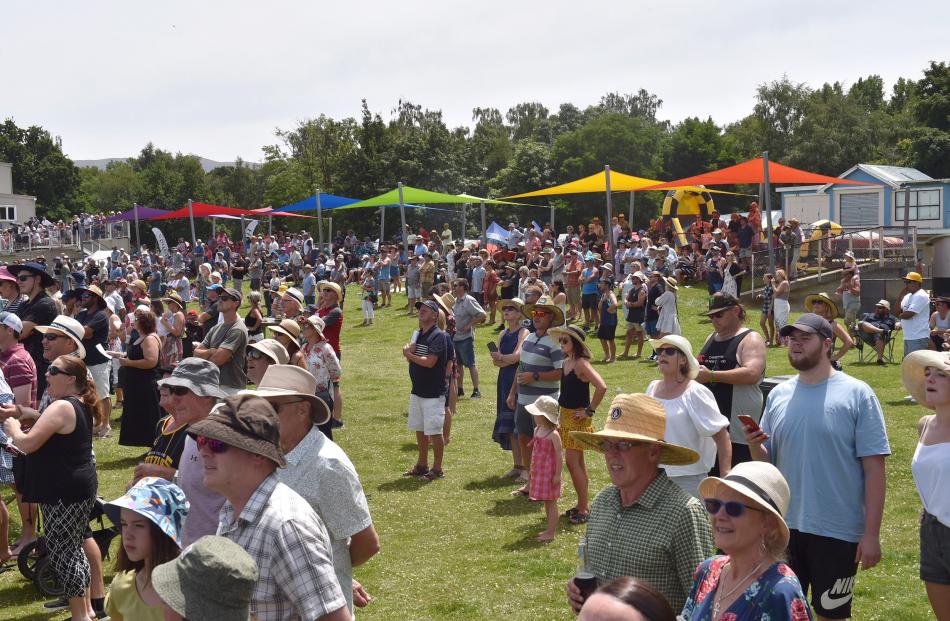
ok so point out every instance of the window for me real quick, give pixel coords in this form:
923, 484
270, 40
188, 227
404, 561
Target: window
924, 205
8, 213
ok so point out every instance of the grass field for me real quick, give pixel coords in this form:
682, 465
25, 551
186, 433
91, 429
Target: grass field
462, 547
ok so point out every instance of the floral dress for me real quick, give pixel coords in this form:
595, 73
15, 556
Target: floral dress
775, 596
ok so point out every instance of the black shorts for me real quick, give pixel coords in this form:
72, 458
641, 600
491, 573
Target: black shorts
934, 550
825, 566
607, 333
589, 300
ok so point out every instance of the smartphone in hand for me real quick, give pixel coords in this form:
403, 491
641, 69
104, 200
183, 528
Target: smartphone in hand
492, 346
749, 423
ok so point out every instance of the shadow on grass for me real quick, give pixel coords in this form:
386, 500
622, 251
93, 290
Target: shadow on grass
126, 463
528, 541
515, 505
492, 482
409, 447
403, 484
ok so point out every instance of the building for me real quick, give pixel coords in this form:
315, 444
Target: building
14, 208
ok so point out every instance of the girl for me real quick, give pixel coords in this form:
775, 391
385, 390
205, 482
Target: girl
731, 275
668, 322
171, 328
369, 297
767, 320
151, 514
635, 303
545, 477
780, 305
607, 331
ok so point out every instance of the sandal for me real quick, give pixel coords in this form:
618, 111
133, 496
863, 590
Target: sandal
435, 473
579, 518
521, 491
570, 512
416, 471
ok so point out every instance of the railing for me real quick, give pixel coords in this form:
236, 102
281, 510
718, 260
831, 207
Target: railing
51, 238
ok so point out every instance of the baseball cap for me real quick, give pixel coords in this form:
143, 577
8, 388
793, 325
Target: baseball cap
810, 323
430, 304
11, 321
720, 301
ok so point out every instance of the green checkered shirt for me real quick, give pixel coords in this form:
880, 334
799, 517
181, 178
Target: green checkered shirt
660, 538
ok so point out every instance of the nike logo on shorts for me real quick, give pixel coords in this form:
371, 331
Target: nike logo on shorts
838, 595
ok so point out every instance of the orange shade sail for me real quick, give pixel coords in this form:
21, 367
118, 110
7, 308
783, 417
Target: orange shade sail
751, 172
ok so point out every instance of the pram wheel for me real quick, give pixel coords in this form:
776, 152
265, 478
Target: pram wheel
45, 578
28, 557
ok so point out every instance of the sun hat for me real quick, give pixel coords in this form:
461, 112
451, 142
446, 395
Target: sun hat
7, 276
157, 499
296, 294
67, 326
670, 282
211, 580
545, 406
848, 255
757, 481
445, 301
200, 376
516, 302
575, 333
821, 297
94, 290
172, 296
328, 285
810, 323
913, 367
720, 301
911, 276
288, 380
245, 421
544, 304
317, 323
140, 284
272, 349
637, 417
682, 344
884, 303
589, 256
38, 269
287, 327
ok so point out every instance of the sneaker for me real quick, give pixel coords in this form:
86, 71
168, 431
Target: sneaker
461, 392
881, 363
652, 358
56, 604
476, 394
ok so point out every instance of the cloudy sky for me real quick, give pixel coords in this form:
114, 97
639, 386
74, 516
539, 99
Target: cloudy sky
215, 78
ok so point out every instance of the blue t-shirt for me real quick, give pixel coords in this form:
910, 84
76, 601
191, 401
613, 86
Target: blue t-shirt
818, 435
587, 288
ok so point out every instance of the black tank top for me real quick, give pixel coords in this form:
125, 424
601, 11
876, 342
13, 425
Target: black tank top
721, 356
575, 393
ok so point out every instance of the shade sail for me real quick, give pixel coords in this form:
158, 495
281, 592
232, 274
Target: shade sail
751, 172
204, 210
144, 213
415, 195
619, 182
489, 201
327, 201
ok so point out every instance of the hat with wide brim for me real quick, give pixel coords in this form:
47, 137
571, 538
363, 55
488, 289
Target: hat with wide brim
546, 407
38, 269
516, 302
245, 421
913, 372
200, 376
329, 285
683, 345
542, 304
94, 290
822, 297
637, 418
287, 327
670, 282
139, 284
317, 323
445, 301
68, 327
759, 482
172, 296
271, 348
579, 339
288, 380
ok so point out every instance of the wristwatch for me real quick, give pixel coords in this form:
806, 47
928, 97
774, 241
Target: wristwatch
589, 412
536, 376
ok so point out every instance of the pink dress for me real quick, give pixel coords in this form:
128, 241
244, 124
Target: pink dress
544, 466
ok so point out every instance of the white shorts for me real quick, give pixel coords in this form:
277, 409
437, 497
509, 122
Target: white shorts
426, 415
100, 375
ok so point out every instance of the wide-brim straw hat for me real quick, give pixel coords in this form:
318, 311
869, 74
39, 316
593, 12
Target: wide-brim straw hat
93, 289
516, 302
139, 284
288, 380
670, 282
759, 482
287, 327
543, 304
445, 301
822, 297
682, 344
68, 327
172, 296
547, 407
579, 339
913, 368
637, 417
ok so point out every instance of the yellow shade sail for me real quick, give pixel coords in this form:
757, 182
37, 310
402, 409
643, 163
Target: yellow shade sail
619, 182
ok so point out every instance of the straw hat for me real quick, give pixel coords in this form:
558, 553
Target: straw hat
544, 304
547, 407
638, 418
670, 282
682, 344
445, 302
287, 327
173, 296
271, 348
822, 297
288, 380
759, 482
139, 284
575, 333
328, 285
912, 372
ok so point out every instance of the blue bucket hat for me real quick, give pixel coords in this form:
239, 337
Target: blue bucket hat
160, 501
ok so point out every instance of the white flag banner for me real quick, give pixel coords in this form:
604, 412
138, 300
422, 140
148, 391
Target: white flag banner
251, 226
162, 244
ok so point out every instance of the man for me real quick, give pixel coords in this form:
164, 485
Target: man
795, 239
17, 365
331, 312
875, 329
426, 274
824, 430
539, 373
643, 525
38, 309
240, 449
226, 344
95, 321
468, 313
320, 471
292, 302
210, 316
655, 288
515, 236
309, 286
428, 356
915, 314
732, 364
477, 280
413, 283
850, 290
263, 354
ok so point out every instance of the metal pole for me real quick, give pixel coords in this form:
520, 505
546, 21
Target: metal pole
768, 208
319, 221
484, 226
464, 223
402, 216
630, 212
194, 240
270, 225
135, 212
243, 236
609, 224
330, 234
552, 223
382, 224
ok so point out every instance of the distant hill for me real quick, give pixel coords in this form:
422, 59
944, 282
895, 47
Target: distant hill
207, 164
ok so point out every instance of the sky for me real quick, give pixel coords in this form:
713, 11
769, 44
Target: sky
217, 78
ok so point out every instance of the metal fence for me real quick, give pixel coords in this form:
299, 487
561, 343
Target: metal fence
53, 238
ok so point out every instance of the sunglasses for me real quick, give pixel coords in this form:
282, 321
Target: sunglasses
215, 446
508, 308
253, 353
54, 371
733, 508
622, 446
667, 351
179, 391
53, 337
717, 315
24, 278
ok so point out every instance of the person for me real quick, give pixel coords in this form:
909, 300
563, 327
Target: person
254, 319
824, 306
732, 274
767, 317
38, 309
667, 321
642, 524
428, 355
325, 368
796, 237
468, 313
539, 373
239, 444
607, 330
140, 414
635, 304
926, 375
545, 476
875, 329
226, 344
59, 472
577, 409
748, 581
506, 358
287, 333
626, 599
490, 289
413, 283
320, 471
781, 306
171, 329
692, 413
150, 514
850, 292
95, 320
368, 287
572, 275
308, 286
732, 366
291, 302
914, 314
655, 288
211, 580
18, 367
824, 431
330, 311
589, 277
261, 355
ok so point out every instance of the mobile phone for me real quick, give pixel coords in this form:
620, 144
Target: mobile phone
749, 422
492, 346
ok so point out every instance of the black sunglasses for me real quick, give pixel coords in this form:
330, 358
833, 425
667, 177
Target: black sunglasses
53, 337
733, 508
179, 391
717, 315
24, 277
54, 371
667, 351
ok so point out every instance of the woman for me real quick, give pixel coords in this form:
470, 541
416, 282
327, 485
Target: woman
172, 323
692, 415
780, 305
59, 471
767, 318
749, 582
559, 295
668, 322
506, 358
202, 282
287, 333
940, 324
607, 331
635, 303
254, 319
577, 410
926, 376
626, 599
822, 305
137, 371
324, 366
731, 274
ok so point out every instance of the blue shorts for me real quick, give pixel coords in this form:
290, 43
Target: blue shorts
524, 422
650, 327
465, 352
912, 345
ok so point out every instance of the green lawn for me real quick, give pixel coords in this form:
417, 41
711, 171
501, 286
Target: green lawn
462, 547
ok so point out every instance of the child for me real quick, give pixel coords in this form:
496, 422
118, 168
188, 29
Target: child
151, 513
767, 320
545, 477
369, 298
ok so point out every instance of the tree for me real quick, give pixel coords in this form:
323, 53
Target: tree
40, 168
530, 168
694, 147
780, 108
933, 97
526, 119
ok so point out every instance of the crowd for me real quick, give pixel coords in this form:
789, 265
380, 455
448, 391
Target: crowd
241, 487
42, 233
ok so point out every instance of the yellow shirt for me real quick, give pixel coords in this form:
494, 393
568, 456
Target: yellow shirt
124, 602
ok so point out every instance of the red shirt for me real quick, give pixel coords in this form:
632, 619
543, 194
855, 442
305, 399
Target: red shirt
333, 316
19, 370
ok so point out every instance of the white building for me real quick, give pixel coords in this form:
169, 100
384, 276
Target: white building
14, 208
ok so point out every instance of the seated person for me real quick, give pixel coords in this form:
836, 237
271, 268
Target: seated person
875, 328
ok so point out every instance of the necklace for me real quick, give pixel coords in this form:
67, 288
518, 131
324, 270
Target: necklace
722, 596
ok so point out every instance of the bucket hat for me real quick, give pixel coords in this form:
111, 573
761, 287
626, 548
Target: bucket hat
579, 339
200, 376
288, 380
682, 344
159, 500
544, 304
36, 269
317, 323
912, 371
759, 482
271, 348
545, 406
212, 580
67, 326
822, 297
287, 327
638, 418
247, 422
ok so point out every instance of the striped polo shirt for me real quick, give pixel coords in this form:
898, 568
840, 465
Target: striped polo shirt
539, 354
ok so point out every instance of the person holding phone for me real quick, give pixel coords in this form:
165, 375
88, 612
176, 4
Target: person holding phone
505, 356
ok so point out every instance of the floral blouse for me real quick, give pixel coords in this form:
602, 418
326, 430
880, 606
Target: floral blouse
323, 364
775, 596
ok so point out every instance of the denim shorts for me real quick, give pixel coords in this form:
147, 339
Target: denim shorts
934, 550
465, 352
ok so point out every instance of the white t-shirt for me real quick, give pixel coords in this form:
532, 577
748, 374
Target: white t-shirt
918, 326
691, 421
